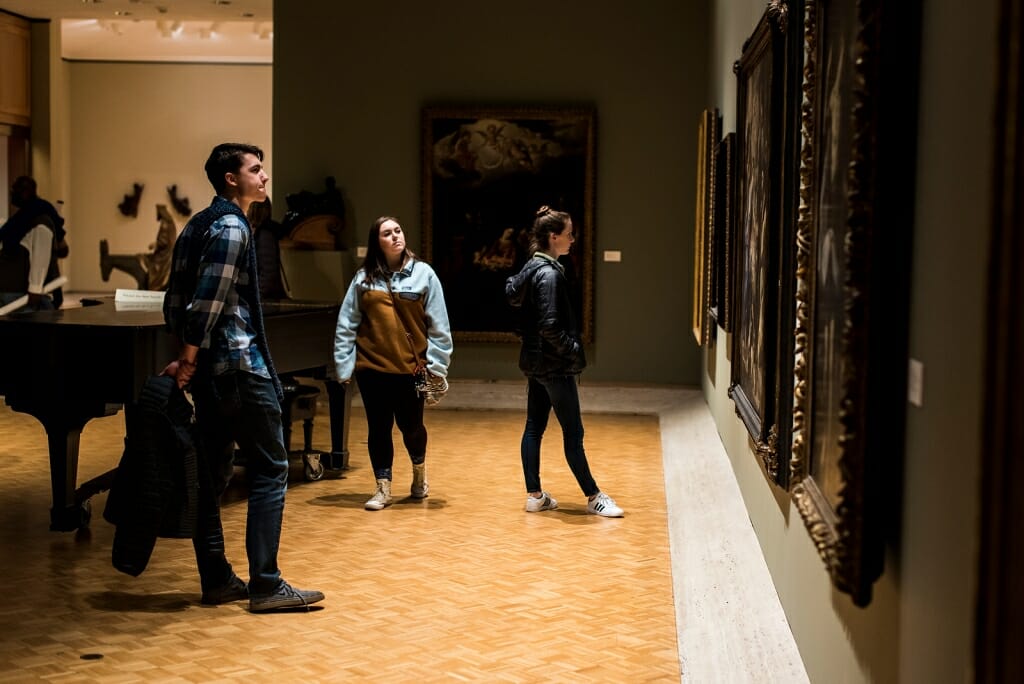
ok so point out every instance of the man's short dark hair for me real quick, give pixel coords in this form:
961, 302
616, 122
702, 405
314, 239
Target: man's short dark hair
227, 158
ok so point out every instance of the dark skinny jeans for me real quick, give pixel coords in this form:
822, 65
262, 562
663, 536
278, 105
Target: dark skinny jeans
561, 394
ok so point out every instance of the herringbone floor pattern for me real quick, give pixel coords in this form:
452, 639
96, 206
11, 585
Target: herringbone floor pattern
464, 586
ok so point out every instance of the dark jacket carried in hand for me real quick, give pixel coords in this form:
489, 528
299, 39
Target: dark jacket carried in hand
547, 323
156, 489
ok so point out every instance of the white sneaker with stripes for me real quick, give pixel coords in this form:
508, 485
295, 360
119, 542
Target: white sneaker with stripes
604, 505
545, 502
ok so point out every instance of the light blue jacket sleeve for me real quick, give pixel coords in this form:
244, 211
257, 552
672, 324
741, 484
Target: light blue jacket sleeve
349, 318
439, 333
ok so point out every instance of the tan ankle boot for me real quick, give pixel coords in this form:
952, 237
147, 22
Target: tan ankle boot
380, 498
420, 488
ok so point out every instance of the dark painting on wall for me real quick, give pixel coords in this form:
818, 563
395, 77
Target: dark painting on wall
759, 139
709, 130
724, 233
851, 299
486, 171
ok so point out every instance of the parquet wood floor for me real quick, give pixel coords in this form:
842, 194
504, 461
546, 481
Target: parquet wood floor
464, 586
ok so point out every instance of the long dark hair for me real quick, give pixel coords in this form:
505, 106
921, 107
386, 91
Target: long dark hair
375, 264
548, 222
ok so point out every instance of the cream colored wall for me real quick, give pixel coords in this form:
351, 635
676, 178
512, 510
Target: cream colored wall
919, 625
153, 124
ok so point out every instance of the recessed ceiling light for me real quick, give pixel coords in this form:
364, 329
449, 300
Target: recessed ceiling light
122, 13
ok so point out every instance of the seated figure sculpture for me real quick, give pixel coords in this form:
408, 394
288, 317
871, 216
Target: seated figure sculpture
152, 269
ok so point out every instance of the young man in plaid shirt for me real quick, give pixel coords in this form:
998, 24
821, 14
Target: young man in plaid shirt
213, 306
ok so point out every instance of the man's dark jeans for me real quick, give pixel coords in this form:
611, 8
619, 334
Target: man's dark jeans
559, 393
240, 408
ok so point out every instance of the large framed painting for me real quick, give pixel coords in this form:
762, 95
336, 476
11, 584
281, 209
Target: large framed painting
852, 296
724, 239
758, 286
486, 172
709, 130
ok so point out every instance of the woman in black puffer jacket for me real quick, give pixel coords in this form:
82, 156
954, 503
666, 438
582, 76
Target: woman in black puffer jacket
552, 358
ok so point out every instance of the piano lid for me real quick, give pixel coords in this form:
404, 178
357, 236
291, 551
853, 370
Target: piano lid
102, 311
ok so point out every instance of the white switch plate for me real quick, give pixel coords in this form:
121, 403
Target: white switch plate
360, 252
612, 255
915, 382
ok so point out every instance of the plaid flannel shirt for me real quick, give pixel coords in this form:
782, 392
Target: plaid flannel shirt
205, 305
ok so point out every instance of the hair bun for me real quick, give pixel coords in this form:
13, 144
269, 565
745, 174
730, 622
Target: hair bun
544, 210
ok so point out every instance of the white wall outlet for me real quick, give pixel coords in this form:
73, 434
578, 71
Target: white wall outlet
915, 382
360, 252
612, 255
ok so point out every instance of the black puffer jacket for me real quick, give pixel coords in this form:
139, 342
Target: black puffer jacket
551, 339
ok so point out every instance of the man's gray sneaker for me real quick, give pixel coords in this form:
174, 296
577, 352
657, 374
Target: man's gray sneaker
285, 597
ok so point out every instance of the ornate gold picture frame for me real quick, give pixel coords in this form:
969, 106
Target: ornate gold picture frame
852, 294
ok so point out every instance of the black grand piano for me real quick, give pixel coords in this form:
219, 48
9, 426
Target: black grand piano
69, 366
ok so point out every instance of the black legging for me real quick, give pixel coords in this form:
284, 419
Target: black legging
390, 398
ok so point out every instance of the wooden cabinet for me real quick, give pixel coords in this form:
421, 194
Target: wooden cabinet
15, 73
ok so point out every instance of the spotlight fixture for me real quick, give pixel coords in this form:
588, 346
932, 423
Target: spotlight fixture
166, 29
210, 31
111, 26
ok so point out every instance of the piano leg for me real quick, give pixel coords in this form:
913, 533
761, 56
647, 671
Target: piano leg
70, 510
66, 514
339, 401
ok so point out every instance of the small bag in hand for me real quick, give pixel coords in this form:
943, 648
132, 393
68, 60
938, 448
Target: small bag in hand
429, 386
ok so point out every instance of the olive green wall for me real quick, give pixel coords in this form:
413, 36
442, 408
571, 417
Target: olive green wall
919, 626
350, 80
